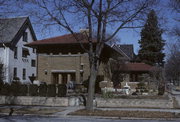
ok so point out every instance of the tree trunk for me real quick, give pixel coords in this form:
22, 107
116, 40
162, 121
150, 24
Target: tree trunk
91, 89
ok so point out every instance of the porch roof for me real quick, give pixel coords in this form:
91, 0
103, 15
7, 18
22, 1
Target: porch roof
136, 67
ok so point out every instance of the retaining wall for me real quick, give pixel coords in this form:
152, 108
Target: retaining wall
134, 103
75, 101
44, 101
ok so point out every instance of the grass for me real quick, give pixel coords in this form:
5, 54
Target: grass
117, 113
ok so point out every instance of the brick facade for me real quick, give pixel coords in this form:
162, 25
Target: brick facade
74, 67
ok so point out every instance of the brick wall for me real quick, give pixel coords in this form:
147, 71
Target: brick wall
69, 62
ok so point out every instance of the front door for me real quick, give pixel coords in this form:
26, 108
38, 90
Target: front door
64, 78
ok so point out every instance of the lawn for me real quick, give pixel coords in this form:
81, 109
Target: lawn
123, 113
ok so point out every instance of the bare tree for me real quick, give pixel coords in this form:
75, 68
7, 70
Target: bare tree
172, 66
98, 16
112, 71
175, 7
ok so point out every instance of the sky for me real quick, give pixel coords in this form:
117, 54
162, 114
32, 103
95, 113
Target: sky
129, 36
126, 36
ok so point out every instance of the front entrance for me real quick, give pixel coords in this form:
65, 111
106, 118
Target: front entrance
63, 78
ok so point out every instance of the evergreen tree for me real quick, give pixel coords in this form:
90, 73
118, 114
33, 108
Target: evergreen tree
151, 43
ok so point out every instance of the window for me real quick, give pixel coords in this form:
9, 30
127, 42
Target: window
24, 74
34, 50
15, 72
25, 36
15, 53
25, 52
33, 63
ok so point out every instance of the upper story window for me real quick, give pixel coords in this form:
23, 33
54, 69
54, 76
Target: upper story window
25, 52
33, 63
15, 52
15, 72
34, 50
25, 36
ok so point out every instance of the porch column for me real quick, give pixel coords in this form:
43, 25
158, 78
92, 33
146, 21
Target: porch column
68, 77
60, 79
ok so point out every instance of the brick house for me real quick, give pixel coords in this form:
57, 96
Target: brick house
61, 59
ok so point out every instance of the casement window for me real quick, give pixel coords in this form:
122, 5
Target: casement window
33, 63
25, 36
15, 52
15, 72
25, 52
24, 74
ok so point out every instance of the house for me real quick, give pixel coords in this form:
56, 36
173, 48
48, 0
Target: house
127, 70
19, 62
135, 72
61, 59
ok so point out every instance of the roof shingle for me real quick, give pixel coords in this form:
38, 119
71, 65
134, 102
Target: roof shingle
9, 27
141, 67
65, 39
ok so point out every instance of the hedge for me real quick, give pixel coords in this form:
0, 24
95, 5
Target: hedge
51, 90
23, 90
17, 89
5, 90
43, 90
33, 90
62, 90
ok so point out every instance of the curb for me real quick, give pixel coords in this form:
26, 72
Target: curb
88, 117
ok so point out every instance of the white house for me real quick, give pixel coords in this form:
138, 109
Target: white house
18, 60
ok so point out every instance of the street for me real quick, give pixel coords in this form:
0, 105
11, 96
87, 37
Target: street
72, 119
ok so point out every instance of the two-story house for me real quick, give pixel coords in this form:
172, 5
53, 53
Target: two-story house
19, 62
61, 59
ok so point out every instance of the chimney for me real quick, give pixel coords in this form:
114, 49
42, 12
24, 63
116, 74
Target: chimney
85, 31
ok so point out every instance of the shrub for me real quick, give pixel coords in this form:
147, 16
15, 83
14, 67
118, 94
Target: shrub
1, 72
161, 90
15, 88
97, 88
134, 93
141, 85
5, 90
51, 90
62, 90
23, 90
43, 90
33, 90
107, 95
1, 85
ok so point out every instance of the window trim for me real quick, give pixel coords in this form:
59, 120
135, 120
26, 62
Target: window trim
33, 64
25, 36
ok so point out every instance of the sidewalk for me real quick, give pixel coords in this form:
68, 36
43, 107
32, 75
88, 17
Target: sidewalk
64, 111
